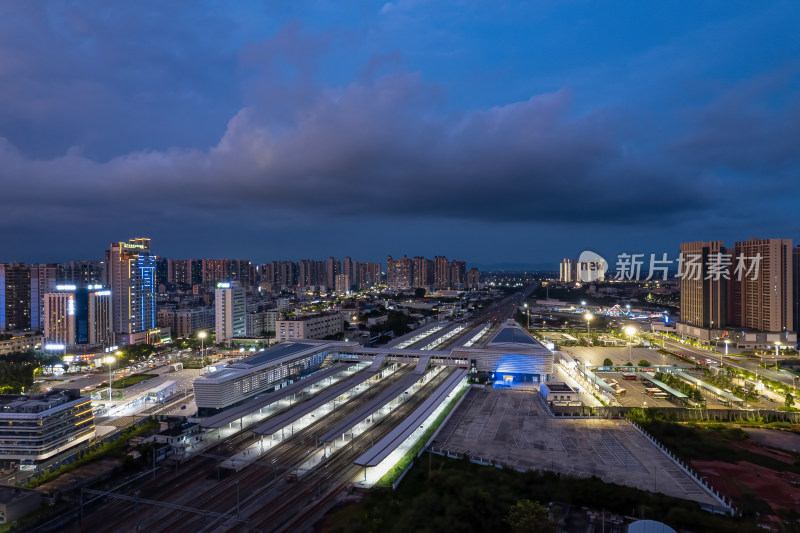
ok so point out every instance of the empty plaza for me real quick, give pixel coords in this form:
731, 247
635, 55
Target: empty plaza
513, 428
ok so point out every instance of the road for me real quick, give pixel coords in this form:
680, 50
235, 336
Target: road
750, 366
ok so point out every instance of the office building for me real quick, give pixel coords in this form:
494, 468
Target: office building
765, 303
74, 316
313, 326
15, 296
132, 281
34, 429
231, 311
704, 295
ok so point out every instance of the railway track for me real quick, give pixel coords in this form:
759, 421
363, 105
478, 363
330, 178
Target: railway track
270, 468
307, 501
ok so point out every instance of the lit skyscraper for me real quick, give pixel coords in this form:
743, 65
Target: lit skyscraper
132, 278
231, 309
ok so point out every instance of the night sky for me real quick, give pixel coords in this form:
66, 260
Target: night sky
496, 132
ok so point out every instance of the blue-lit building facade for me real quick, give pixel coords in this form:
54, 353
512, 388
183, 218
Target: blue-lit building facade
131, 275
512, 358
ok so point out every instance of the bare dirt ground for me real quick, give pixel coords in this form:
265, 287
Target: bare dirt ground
737, 480
784, 440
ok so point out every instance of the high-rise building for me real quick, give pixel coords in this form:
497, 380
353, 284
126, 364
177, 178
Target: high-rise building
179, 272
161, 271
422, 279
82, 272
458, 274
369, 275
284, 274
399, 273
15, 296
473, 279
441, 272
132, 279
796, 287
704, 295
568, 271
75, 315
231, 311
342, 283
334, 268
44, 279
763, 302
350, 269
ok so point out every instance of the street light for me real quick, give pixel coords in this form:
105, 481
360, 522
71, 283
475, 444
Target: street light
108, 360
202, 336
528, 311
588, 317
631, 331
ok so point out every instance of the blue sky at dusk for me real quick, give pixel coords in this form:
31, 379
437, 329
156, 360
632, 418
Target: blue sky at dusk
498, 133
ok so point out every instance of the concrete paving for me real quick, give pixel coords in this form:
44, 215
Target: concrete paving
513, 428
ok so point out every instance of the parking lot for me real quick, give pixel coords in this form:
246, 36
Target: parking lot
595, 355
512, 427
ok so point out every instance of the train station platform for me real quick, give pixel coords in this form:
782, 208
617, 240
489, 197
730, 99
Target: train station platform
286, 418
371, 407
388, 444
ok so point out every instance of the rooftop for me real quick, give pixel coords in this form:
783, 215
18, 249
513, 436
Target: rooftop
511, 336
559, 386
278, 354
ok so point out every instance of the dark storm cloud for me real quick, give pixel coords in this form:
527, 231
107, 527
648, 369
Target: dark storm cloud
380, 148
132, 118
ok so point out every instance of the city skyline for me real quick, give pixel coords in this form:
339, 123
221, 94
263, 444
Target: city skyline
288, 132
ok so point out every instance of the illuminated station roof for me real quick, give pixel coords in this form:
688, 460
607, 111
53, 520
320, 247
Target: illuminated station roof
511, 336
278, 354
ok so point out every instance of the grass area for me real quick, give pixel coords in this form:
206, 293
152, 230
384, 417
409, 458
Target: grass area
117, 448
457, 495
127, 381
709, 442
392, 475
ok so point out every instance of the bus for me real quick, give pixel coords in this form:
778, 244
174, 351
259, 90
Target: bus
652, 390
662, 395
629, 375
620, 391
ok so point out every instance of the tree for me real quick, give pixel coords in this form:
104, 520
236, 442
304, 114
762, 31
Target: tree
789, 400
527, 516
608, 362
644, 362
